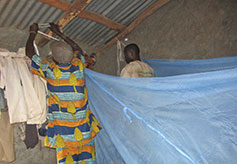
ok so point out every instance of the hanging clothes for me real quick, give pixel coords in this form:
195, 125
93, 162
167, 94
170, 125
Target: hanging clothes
13, 89
25, 93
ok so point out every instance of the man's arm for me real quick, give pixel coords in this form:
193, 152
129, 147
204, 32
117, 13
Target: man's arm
30, 50
55, 29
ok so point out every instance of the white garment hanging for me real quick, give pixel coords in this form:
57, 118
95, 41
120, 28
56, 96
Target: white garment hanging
31, 99
25, 93
39, 85
14, 92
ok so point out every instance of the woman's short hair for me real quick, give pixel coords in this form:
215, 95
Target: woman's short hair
61, 52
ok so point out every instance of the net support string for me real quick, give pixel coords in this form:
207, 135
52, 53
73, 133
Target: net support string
119, 55
49, 36
46, 25
43, 25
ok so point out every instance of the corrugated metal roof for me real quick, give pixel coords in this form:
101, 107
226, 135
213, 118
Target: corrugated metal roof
22, 13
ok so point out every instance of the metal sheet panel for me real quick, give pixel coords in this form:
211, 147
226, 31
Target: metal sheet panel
22, 13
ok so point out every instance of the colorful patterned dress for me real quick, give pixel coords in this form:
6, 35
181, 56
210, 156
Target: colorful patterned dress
71, 125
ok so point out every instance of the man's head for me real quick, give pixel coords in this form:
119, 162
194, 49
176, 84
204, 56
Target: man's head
61, 52
131, 53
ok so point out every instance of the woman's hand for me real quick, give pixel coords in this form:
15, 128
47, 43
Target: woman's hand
54, 28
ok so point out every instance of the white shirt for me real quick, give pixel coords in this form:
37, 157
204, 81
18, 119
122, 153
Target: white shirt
137, 69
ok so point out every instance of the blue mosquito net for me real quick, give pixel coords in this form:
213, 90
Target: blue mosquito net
185, 115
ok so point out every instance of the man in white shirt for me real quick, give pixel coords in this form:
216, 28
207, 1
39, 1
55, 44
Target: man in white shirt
135, 67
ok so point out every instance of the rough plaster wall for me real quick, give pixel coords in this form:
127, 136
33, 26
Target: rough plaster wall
183, 29
12, 38
107, 62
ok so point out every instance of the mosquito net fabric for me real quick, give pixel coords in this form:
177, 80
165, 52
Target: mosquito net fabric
186, 115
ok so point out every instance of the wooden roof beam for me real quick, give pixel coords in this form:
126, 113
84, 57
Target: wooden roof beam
156, 5
87, 15
102, 20
57, 3
75, 8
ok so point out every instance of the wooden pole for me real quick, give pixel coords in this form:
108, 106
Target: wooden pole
75, 8
87, 15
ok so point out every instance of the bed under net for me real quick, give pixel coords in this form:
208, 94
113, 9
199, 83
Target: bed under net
187, 114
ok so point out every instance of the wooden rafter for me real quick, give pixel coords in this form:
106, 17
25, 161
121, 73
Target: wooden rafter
58, 4
75, 8
156, 5
87, 14
102, 20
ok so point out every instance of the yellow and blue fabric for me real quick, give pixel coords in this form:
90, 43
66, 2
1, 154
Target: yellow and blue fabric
71, 125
